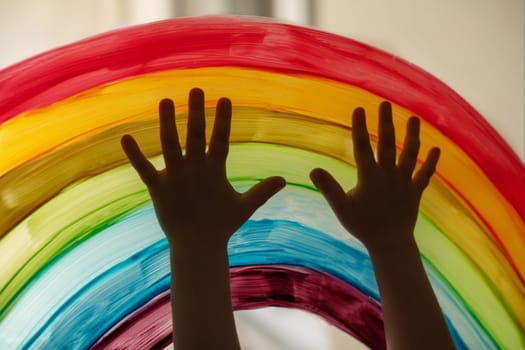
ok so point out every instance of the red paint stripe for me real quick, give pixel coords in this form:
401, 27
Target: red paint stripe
233, 41
259, 286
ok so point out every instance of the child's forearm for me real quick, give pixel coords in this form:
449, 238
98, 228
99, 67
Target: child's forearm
413, 318
202, 309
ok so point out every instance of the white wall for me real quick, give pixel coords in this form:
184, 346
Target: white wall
477, 47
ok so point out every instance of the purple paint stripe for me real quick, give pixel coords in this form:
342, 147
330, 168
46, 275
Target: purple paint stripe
144, 329
339, 303
259, 286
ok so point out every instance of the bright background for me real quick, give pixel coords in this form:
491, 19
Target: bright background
477, 47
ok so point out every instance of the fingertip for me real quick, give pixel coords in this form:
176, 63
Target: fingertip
196, 91
314, 171
196, 94
317, 175
224, 102
166, 113
224, 107
359, 122
166, 103
412, 131
196, 99
422, 177
385, 112
359, 111
359, 114
262, 192
413, 123
280, 182
277, 183
323, 180
131, 148
385, 106
433, 156
125, 137
126, 141
330, 189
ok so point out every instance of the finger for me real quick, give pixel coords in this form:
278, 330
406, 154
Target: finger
196, 139
386, 146
256, 196
408, 157
169, 137
423, 175
331, 190
363, 154
220, 137
144, 168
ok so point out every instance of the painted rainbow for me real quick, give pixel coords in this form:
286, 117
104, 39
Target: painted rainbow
84, 263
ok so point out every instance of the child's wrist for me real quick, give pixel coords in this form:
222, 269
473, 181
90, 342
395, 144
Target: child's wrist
197, 249
398, 244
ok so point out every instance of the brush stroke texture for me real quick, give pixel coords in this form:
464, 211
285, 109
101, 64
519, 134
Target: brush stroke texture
82, 254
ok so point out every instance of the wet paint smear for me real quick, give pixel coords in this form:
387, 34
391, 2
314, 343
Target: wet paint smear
84, 262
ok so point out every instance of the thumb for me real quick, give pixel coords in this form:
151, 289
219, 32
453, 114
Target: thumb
144, 168
331, 190
256, 196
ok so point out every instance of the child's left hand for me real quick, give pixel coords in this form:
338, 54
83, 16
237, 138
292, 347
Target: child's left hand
193, 199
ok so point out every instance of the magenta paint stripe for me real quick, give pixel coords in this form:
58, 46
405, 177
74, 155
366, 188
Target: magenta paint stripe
233, 41
339, 303
147, 328
258, 286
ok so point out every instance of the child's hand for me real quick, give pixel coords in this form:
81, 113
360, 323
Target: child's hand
193, 199
381, 210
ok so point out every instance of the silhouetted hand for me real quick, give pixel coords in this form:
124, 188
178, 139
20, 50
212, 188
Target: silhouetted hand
384, 203
192, 196
381, 211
